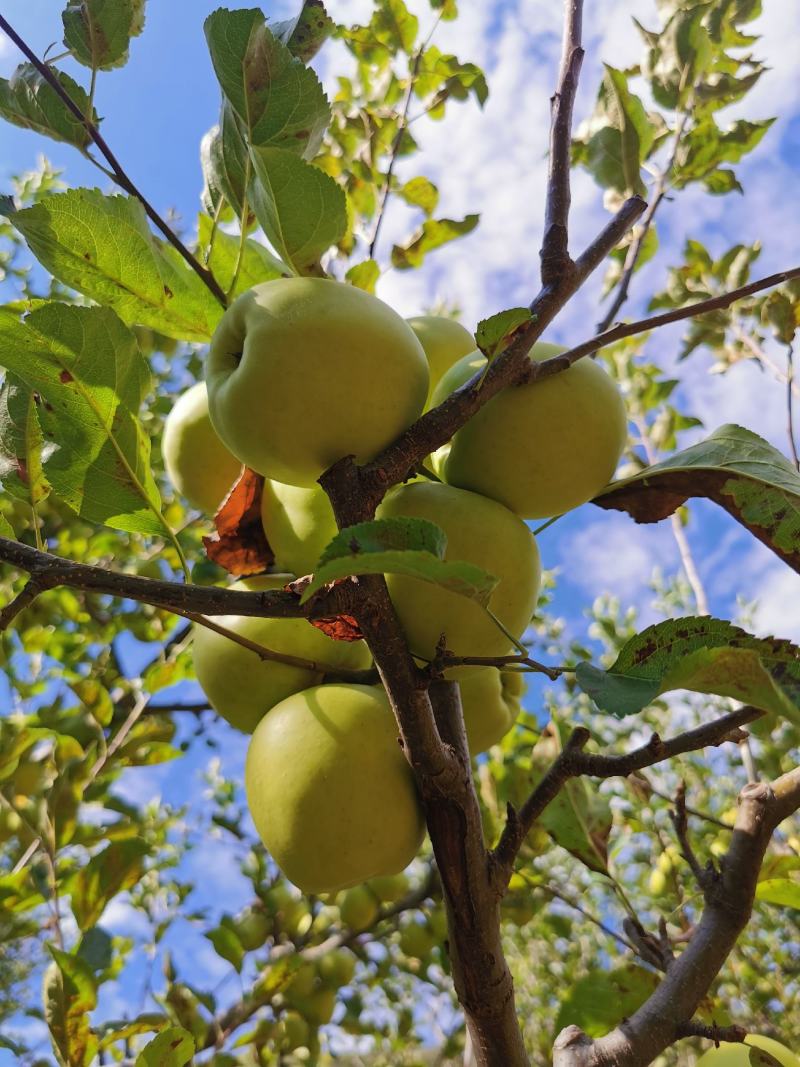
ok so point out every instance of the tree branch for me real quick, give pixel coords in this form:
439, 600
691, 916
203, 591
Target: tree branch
668, 1013
119, 175
554, 253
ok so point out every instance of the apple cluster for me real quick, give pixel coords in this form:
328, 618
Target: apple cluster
301, 372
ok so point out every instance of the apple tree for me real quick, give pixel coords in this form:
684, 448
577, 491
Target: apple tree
337, 535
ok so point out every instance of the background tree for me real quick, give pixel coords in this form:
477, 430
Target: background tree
612, 912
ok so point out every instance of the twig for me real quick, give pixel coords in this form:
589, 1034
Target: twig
119, 175
732, 1033
648, 785
761, 356
790, 404
704, 876
629, 329
26, 596
587, 915
554, 253
510, 662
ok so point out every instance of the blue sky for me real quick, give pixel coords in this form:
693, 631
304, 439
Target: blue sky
157, 108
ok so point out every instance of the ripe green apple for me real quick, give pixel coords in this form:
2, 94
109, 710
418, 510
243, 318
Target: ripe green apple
329, 789
337, 968
480, 531
389, 888
304, 371
417, 940
738, 1055
542, 448
253, 927
299, 524
239, 684
490, 700
359, 907
198, 464
445, 341
292, 1031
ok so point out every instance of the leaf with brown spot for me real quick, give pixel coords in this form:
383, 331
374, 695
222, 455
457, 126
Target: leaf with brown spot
240, 544
737, 469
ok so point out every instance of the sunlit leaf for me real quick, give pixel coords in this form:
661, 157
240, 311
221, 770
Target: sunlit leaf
28, 100
98, 32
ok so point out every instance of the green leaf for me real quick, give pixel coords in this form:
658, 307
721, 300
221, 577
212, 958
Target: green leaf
736, 469
69, 994
98, 32
299, 207
122, 1029
23, 448
414, 547
278, 100
28, 100
578, 819
173, 1047
678, 56
432, 234
103, 247
90, 380
420, 192
227, 945
364, 275
703, 655
257, 262
118, 867
496, 333
95, 948
394, 26
722, 181
784, 892
306, 34
602, 999
615, 141
6, 529
225, 160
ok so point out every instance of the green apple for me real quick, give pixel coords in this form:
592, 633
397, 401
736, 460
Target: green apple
444, 340
198, 464
359, 907
480, 531
738, 1055
490, 700
329, 789
304, 371
292, 1031
337, 968
389, 888
290, 909
317, 1007
542, 448
299, 524
240, 685
253, 927
417, 940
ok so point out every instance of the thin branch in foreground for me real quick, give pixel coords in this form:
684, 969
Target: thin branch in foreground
554, 253
704, 876
26, 596
119, 175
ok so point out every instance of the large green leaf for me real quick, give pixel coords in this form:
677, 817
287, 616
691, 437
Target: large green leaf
602, 999
736, 469
90, 380
300, 208
278, 100
432, 234
578, 819
413, 547
28, 100
103, 247
116, 868
615, 141
173, 1047
785, 892
703, 655
257, 262
69, 994
677, 56
98, 32
22, 444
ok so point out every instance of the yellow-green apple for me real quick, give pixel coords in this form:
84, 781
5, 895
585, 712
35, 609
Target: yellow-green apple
480, 531
337, 968
542, 448
329, 789
240, 685
490, 700
417, 940
359, 907
304, 371
299, 524
198, 464
389, 888
445, 341
730, 1054
253, 927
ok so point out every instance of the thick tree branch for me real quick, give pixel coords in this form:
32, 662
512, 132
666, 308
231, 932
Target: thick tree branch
118, 174
554, 254
668, 1014
573, 762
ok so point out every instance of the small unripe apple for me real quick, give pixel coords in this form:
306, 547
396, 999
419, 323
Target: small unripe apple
329, 790
337, 968
198, 464
253, 927
445, 342
359, 907
304, 371
479, 531
416, 940
542, 448
299, 524
240, 685
389, 888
